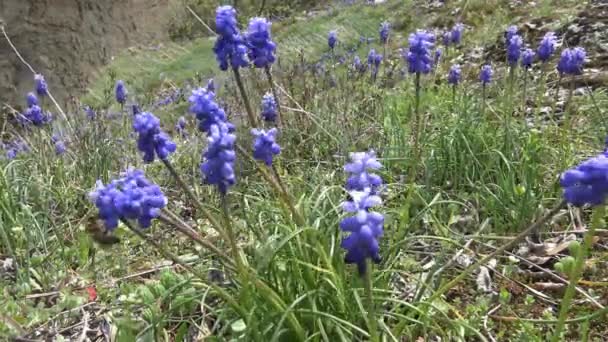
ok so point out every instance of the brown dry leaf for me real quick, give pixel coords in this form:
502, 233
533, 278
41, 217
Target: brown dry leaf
549, 286
556, 248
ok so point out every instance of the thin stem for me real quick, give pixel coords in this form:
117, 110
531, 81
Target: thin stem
371, 316
276, 96
418, 128
568, 105
525, 95
176, 222
483, 100
239, 82
214, 222
276, 183
581, 257
453, 97
236, 255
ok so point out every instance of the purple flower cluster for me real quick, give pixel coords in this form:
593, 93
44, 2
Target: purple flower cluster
454, 74
385, 29
31, 100
510, 32
587, 183
218, 160
90, 112
13, 148
514, 49
365, 228
485, 76
438, 53
151, 140
546, 48
527, 58
180, 126
357, 64
418, 56
41, 86
265, 146
261, 46
131, 196
456, 34
120, 91
230, 48
207, 111
332, 39
36, 116
571, 61
361, 163
269, 108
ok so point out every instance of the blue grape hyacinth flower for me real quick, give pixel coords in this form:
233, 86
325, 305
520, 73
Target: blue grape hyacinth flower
447, 38
485, 76
385, 29
438, 54
360, 173
132, 196
265, 146
135, 109
454, 74
210, 85
120, 91
207, 111
586, 183
365, 228
371, 57
225, 21
230, 48
180, 126
546, 48
218, 160
456, 33
571, 61
261, 46
418, 55
31, 99
36, 116
41, 86
60, 147
332, 39
527, 58
514, 49
357, 64
269, 108
151, 140
510, 32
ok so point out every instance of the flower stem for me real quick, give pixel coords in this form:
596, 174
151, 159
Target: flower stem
173, 220
483, 100
239, 82
371, 316
275, 95
418, 129
275, 181
214, 222
581, 257
236, 255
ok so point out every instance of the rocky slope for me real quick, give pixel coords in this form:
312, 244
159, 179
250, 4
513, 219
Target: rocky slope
68, 39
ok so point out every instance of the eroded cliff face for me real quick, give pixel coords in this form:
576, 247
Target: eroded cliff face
66, 40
